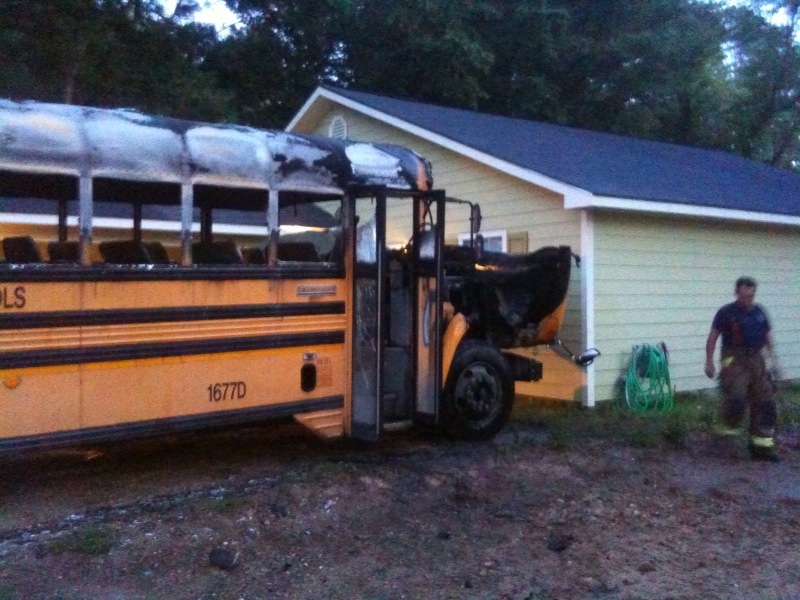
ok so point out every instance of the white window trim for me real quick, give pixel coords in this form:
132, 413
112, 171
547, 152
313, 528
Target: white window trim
463, 238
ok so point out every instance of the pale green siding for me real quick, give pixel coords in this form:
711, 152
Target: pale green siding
663, 278
507, 203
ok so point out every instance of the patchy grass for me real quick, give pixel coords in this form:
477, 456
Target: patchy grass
93, 541
314, 471
676, 431
226, 505
789, 405
560, 438
566, 423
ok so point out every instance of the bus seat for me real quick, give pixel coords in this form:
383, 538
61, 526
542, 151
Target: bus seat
158, 254
124, 252
254, 255
64, 251
21, 249
224, 252
298, 251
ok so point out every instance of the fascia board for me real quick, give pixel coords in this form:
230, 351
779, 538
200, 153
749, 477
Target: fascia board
669, 208
574, 197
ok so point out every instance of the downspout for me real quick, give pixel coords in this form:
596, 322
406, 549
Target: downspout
587, 299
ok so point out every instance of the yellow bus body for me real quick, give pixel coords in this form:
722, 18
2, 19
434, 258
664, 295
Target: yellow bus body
74, 381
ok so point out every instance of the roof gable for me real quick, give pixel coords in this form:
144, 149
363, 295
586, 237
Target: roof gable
603, 164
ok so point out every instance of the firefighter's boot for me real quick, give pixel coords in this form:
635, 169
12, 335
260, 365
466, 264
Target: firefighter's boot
763, 449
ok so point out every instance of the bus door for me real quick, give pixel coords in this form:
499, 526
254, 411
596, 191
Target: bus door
428, 241
369, 293
388, 388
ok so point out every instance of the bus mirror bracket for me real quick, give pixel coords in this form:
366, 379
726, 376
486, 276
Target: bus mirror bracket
584, 359
475, 217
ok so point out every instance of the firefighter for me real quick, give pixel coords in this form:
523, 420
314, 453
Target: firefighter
744, 379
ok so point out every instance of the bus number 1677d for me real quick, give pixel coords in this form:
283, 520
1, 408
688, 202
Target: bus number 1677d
232, 390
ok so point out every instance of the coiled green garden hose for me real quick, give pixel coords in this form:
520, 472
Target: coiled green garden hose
647, 383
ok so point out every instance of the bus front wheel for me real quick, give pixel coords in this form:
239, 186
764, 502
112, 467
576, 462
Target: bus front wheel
479, 392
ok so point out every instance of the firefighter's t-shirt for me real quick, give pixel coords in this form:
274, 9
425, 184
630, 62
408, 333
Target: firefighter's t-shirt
742, 328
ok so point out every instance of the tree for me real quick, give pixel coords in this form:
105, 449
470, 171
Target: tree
283, 50
644, 68
108, 53
764, 84
43, 46
425, 49
686, 71
529, 45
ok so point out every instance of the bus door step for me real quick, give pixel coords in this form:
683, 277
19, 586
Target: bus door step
398, 425
325, 424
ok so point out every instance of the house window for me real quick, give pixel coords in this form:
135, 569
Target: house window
338, 128
495, 240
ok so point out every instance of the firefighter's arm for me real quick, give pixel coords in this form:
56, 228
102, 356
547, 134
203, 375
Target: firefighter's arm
711, 344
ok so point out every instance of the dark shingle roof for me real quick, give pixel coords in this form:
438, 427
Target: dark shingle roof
606, 164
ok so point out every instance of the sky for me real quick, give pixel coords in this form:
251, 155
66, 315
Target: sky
213, 11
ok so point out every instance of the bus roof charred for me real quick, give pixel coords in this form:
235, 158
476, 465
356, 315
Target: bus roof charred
125, 144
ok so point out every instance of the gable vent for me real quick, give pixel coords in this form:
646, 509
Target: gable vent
338, 128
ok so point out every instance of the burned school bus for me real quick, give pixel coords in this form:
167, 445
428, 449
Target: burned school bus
161, 275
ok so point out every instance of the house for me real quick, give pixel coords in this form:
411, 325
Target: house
662, 230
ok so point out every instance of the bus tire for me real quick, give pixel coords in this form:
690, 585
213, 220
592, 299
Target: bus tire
479, 392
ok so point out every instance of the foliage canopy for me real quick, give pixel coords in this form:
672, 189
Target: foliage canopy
686, 71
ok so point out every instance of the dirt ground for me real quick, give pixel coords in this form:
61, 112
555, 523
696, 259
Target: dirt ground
266, 512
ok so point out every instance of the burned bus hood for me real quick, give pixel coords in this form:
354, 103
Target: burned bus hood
513, 300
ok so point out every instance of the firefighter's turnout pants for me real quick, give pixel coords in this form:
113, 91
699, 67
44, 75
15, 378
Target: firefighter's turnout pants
744, 382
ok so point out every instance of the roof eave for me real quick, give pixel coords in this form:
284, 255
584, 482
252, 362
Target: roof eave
504, 166
574, 197
677, 209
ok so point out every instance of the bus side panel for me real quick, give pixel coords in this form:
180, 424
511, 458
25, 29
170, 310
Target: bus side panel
99, 354
202, 384
35, 296
124, 392
105, 295
35, 401
38, 401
